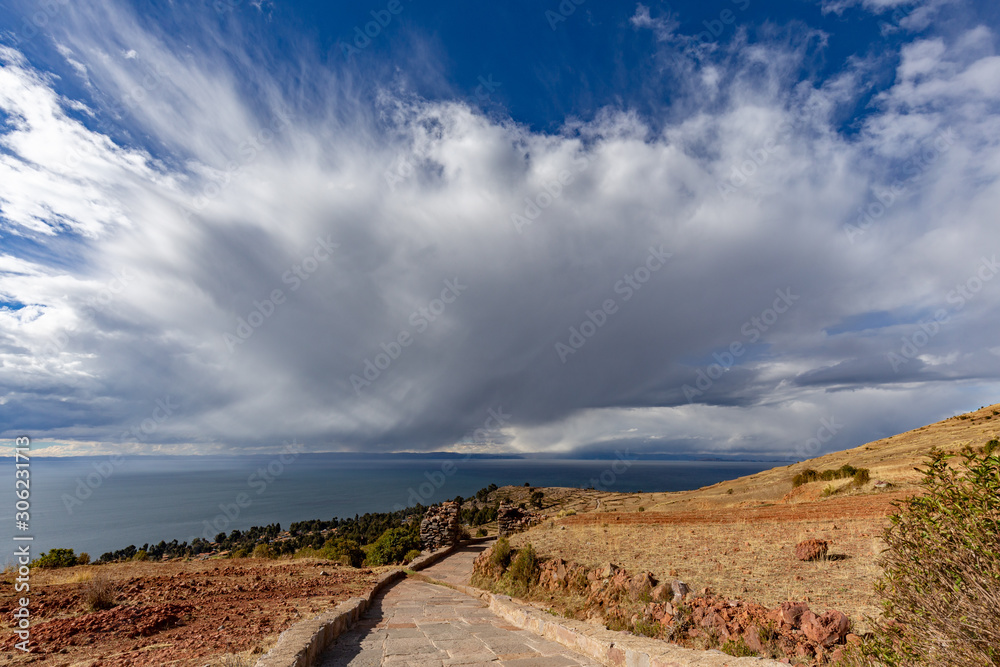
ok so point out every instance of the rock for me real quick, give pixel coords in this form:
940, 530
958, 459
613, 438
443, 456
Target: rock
811, 549
680, 590
553, 574
788, 614
751, 637
640, 584
607, 571
826, 630
662, 592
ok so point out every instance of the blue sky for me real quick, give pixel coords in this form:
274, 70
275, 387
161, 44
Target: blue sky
527, 227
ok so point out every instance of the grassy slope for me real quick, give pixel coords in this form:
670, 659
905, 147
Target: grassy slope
751, 554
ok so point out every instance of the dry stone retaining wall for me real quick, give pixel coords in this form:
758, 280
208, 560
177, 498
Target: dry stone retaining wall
440, 527
511, 519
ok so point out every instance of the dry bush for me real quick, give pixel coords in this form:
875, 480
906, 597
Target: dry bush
940, 587
100, 592
231, 660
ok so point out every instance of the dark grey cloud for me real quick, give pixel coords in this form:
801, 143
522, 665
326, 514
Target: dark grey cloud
384, 276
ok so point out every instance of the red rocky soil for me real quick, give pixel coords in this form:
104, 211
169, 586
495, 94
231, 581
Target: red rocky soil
174, 613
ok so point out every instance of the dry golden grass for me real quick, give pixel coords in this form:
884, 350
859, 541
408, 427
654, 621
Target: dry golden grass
751, 561
740, 543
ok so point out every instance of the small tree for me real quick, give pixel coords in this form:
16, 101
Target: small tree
263, 551
536, 498
392, 545
56, 558
348, 551
940, 587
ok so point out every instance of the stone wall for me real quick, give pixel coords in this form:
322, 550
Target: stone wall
440, 527
512, 519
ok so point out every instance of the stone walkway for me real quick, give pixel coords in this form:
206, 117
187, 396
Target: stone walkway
418, 623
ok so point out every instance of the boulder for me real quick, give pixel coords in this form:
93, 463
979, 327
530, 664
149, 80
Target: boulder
662, 592
788, 614
640, 585
811, 549
751, 637
680, 590
826, 630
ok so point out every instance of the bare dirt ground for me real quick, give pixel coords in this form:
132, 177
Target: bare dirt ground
176, 613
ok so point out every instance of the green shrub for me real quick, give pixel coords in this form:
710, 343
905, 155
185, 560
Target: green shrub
263, 551
411, 554
805, 477
56, 558
500, 556
344, 550
522, 573
861, 477
140, 556
843, 472
647, 628
392, 546
83, 559
940, 586
737, 648
992, 445
481, 532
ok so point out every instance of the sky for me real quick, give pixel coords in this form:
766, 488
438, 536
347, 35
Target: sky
577, 228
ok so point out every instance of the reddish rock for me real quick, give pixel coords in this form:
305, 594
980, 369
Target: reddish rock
811, 549
751, 637
788, 614
826, 630
641, 584
661, 593
607, 571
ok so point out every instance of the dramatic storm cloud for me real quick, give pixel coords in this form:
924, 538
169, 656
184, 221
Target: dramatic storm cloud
222, 228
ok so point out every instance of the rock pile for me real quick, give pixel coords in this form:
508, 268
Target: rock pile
440, 526
511, 519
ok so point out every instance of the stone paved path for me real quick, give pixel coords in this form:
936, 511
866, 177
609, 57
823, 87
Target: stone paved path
421, 624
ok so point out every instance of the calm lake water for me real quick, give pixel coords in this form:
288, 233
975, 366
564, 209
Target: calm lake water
75, 503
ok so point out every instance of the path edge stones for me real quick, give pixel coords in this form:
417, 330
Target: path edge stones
608, 647
302, 644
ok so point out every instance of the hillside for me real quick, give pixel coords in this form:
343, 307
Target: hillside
737, 537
